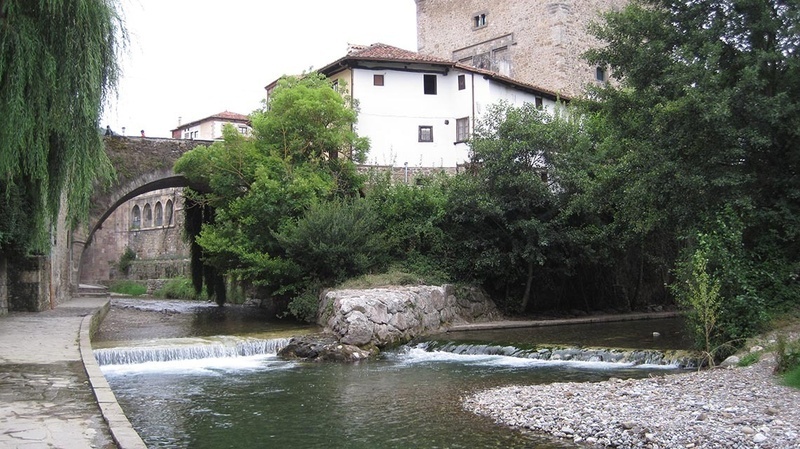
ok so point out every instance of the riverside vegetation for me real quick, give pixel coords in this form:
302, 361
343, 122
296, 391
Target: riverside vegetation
675, 184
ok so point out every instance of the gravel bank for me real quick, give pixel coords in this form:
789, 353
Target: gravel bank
718, 408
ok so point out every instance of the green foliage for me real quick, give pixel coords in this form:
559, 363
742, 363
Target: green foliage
178, 288
57, 66
304, 307
308, 121
397, 275
410, 220
257, 192
503, 215
701, 296
792, 378
788, 355
335, 240
130, 288
749, 359
125, 260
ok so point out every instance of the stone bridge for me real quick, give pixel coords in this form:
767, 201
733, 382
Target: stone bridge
142, 165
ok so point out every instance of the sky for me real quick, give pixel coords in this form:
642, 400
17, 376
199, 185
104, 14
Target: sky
195, 58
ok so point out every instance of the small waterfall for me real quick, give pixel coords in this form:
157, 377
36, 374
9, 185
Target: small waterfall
190, 349
672, 358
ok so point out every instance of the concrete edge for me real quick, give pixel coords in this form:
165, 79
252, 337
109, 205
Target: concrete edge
558, 322
121, 429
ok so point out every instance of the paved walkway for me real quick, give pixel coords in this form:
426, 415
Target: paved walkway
52, 393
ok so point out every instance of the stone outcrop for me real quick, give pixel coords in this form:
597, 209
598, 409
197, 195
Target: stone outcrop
324, 348
395, 315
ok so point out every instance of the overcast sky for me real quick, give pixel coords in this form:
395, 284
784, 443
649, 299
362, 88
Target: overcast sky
195, 58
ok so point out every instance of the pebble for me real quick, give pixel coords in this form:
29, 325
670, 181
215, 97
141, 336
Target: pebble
740, 407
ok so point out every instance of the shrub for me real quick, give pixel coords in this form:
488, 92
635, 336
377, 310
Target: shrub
334, 241
788, 356
130, 288
178, 288
749, 359
124, 264
304, 306
792, 378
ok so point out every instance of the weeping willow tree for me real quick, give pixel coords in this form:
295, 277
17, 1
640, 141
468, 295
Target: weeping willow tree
58, 65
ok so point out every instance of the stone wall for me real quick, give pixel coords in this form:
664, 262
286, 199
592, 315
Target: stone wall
395, 315
29, 284
159, 246
537, 42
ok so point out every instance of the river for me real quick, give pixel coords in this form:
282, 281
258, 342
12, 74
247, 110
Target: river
190, 375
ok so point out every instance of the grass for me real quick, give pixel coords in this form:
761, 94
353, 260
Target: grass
178, 288
749, 359
130, 288
792, 378
394, 276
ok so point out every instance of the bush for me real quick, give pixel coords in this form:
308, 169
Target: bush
304, 306
792, 378
124, 264
178, 288
788, 356
334, 241
130, 288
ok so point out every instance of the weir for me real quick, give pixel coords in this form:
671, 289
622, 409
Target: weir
650, 357
190, 349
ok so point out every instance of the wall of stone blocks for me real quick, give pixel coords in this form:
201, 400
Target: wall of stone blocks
541, 42
29, 284
160, 245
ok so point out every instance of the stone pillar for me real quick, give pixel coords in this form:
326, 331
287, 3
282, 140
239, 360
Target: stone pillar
3, 286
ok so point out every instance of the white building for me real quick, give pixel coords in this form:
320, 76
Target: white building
420, 110
210, 128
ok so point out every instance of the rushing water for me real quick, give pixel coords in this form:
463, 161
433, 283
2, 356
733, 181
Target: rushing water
233, 392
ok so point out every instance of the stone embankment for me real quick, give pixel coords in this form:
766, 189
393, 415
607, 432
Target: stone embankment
358, 323
718, 408
391, 316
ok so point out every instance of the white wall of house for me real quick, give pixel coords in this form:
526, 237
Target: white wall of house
391, 115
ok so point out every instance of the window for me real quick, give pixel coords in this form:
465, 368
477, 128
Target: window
335, 85
462, 82
462, 129
147, 215
377, 80
159, 214
426, 133
136, 217
600, 74
244, 130
429, 82
539, 103
479, 20
168, 212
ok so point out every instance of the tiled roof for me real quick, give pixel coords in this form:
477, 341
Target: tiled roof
388, 53
383, 52
224, 115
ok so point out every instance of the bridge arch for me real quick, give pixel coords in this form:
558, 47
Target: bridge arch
143, 165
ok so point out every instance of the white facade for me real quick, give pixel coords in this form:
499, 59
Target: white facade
391, 115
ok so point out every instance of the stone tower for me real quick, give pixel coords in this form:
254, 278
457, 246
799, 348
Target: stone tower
534, 41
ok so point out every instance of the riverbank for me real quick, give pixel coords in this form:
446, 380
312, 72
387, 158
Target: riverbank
739, 407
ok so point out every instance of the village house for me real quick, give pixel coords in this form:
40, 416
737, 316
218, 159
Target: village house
419, 110
210, 128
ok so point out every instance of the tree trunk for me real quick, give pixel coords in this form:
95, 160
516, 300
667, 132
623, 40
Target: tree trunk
528, 285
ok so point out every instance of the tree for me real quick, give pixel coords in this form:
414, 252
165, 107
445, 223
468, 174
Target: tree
502, 214
57, 66
261, 188
703, 122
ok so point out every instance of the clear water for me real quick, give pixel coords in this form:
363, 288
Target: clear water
409, 398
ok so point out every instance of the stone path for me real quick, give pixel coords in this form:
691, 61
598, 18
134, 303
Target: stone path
47, 399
